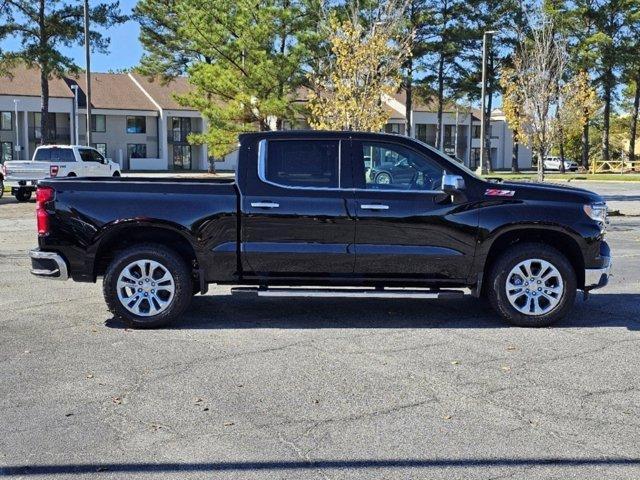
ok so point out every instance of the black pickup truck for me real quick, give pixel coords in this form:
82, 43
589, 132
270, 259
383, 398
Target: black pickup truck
309, 215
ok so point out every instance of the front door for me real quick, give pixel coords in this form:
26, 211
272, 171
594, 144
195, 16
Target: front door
297, 225
407, 228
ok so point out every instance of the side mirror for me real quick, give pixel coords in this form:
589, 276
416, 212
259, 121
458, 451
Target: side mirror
452, 183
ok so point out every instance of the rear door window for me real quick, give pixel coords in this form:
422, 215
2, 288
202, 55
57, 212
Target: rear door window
66, 155
303, 163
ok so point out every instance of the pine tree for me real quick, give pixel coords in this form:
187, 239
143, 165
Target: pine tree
43, 27
448, 35
244, 59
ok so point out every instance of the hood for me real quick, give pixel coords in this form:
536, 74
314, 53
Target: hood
549, 192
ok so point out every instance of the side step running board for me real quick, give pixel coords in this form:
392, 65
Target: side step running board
347, 293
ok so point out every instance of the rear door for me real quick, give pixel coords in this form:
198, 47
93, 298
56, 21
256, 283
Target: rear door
407, 228
295, 220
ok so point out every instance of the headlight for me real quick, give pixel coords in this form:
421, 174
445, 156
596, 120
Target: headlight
597, 212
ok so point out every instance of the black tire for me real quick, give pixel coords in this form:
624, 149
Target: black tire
72, 175
497, 288
172, 262
23, 195
116, 174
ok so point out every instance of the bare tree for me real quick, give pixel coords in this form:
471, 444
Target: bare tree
539, 67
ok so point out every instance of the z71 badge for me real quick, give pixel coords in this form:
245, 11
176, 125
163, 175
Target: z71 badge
497, 192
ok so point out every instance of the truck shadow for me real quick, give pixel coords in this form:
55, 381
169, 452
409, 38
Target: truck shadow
230, 312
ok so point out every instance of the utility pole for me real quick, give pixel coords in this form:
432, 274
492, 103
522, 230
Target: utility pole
88, 72
484, 162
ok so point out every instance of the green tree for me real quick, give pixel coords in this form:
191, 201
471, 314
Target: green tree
244, 60
43, 27
447, 35
418, 22
631, 77
610, 27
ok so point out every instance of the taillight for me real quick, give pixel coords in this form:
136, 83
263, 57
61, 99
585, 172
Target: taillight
53, 170
43, 195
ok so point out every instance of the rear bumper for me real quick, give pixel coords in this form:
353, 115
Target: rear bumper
48, 265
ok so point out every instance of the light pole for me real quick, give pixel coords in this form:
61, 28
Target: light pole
74, 115
15, 114
88, 72
485, 165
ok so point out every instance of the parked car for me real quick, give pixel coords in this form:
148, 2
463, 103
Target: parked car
303, 219
554, 163
52, 161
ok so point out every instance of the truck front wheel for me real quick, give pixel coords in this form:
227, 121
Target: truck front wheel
532, 285
147, 286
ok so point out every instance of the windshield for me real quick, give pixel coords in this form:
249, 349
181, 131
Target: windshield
457, 162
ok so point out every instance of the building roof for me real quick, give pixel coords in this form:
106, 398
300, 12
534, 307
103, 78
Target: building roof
111, 91
163, 93
24, 81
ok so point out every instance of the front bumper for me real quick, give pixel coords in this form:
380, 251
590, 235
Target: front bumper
597, 277
48, 265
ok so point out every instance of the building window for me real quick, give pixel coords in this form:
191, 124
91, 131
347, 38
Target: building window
136, 125
475, 131
101, 147
397, 128
137, 150
6, 152
475, 157
98, 123
6, 120
180, 128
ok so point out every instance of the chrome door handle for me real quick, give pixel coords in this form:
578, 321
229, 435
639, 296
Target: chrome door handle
265, 204
375, 206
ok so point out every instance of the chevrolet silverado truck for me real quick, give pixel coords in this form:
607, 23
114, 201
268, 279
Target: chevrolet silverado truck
51, 161
306, 217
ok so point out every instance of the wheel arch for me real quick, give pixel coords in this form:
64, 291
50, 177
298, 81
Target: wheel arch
554, 237
123, 236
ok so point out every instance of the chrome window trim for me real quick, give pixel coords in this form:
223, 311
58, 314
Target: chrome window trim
262, 165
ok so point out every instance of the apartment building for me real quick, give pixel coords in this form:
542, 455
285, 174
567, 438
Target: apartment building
134, 121
139, 124
460, 132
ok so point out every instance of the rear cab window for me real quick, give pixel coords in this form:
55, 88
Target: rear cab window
54, 155
313, 163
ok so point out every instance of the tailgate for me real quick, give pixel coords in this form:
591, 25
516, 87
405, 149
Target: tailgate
16, 171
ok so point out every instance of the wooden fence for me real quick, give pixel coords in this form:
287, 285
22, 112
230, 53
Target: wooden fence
615, 166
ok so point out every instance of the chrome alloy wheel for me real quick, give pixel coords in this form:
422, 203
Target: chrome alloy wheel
383, 179
534, 287
145, 288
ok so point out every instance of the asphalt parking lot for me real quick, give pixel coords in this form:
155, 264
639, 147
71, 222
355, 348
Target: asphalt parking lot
289, 389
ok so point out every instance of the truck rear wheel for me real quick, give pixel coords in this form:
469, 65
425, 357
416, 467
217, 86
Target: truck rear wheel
147, 286
23, 195
532, 285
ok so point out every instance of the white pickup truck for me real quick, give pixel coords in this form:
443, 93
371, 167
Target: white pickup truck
55, 161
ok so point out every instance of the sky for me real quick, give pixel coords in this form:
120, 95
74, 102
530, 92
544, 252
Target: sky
124, 52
